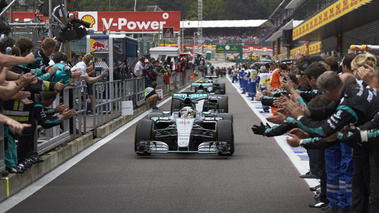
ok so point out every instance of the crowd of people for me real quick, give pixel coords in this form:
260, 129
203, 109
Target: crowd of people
331, 109
151, 68
30, 82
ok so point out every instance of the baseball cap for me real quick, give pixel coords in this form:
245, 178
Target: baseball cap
146, 60
302, 68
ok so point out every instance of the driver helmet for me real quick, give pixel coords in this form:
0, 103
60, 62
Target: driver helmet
187, 112
200, 89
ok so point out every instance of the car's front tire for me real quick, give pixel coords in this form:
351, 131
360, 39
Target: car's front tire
225, 134
143, 132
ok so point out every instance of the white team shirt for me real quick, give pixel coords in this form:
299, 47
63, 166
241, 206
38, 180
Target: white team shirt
82, 68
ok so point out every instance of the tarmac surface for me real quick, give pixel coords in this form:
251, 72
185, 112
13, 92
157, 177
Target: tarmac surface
259, 177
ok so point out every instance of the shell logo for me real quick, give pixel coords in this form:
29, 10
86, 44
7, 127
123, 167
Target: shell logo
90, 19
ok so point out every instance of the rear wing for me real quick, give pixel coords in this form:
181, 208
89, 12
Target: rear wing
205, 85
193, 96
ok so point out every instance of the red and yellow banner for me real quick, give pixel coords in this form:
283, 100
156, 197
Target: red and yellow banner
303, 50
282, 55
326, 16
315, 48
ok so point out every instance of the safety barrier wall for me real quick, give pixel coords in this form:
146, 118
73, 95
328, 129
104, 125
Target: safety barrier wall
107, 99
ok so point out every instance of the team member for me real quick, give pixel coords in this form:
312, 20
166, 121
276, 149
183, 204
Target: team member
151, 96
356, 105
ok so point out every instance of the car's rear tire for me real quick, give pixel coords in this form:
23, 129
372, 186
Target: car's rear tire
226, 116
225, 134
175, 105
223, 104
222, 88
143, 132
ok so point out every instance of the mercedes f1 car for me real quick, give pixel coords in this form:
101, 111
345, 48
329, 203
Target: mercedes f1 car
202, 102
185, 131
210, 86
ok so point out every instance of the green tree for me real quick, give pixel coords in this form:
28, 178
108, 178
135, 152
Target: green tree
212, 10
234, 10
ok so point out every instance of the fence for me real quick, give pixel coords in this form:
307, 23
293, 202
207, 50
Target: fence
107, 99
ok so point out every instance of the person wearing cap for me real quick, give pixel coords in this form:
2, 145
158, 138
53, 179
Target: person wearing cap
148, 67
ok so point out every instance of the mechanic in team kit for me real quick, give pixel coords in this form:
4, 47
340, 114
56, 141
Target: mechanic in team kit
359, 201
344, 113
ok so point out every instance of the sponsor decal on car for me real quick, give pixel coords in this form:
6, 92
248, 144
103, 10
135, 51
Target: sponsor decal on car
179, 95
204, 84
198, 96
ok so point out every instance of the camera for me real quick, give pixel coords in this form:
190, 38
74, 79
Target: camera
71, 32
81, 22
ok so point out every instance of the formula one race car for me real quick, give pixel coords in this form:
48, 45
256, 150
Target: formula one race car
209, 87
201, 102
186, 131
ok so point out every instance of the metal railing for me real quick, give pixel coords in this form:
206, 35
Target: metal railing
55, 136
107, 99
107, 102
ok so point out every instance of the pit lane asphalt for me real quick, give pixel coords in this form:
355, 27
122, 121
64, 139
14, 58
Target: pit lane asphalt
259, 177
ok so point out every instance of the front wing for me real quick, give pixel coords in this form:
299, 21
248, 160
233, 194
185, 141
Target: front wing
159, 147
